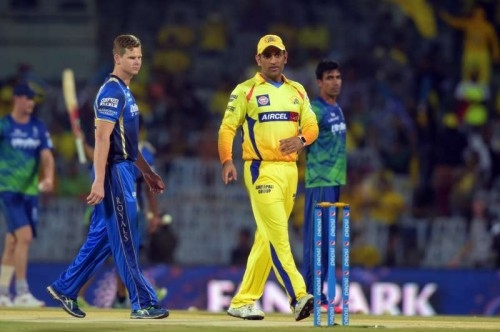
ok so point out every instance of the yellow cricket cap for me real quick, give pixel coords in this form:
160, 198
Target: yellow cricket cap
270, 40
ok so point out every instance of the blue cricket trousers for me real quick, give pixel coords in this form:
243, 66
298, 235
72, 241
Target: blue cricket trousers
113, 231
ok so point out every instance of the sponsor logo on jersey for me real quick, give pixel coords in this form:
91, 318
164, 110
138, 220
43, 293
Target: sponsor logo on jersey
104, 111
295, 100
19, 133
279, 116
233, 98
333, 117
134, 109
25, 143
21, 140
338, 128
263, 100
109, 102
230, 108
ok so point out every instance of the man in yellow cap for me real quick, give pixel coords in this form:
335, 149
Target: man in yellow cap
277, 122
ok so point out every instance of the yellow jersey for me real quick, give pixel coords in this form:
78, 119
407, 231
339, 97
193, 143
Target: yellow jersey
266, 114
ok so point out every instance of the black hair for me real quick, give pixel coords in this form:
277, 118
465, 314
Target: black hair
326, 65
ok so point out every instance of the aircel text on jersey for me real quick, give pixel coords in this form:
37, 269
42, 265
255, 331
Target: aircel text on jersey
278, 116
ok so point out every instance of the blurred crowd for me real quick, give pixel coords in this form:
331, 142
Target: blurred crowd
421, 95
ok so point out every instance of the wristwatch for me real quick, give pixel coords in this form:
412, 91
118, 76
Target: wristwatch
303, 140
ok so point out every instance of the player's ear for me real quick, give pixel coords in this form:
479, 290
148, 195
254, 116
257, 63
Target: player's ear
257, 59
286, 56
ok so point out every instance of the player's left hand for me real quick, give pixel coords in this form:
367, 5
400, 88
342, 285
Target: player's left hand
155, 182
290, 145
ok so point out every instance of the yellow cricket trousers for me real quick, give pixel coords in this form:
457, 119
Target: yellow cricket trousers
271, 187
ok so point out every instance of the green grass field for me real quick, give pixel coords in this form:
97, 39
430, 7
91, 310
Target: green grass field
55, 319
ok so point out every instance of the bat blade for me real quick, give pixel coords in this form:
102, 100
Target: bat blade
70, 99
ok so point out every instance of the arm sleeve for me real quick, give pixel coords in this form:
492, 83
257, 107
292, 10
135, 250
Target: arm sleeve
308, 122
233, 119
46, 141
110, 103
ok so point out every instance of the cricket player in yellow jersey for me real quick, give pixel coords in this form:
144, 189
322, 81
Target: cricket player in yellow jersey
276, 119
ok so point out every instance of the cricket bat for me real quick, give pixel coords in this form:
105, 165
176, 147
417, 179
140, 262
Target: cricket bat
69, 92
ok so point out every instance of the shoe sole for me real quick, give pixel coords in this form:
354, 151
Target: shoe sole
56, 297
254, 317
165, 315
306, 310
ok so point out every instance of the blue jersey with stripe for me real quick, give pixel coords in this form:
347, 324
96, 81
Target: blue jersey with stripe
115, 103
326, 158
20, 147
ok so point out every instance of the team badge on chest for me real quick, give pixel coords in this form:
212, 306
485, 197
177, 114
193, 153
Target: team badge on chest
263, 100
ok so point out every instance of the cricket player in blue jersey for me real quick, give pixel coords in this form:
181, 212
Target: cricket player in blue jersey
277, 122
149, 221
325, 164
25, 147
114, 226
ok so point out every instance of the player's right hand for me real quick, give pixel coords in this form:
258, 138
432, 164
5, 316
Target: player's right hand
229, 172
46, 185
96, 194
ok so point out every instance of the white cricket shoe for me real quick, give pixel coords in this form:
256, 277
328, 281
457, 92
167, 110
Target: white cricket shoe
27, 300
304, 307
246, 312
5, 301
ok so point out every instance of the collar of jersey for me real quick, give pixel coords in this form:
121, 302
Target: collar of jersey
261, 80
116, 78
